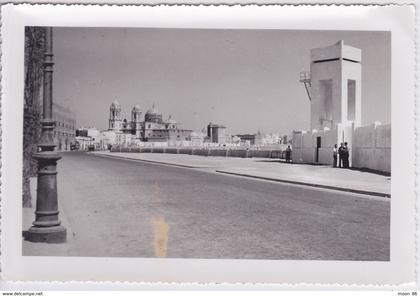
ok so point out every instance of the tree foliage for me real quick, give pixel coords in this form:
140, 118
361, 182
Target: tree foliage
34, 55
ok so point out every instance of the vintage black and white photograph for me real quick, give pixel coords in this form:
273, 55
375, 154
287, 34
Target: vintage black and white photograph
207, 143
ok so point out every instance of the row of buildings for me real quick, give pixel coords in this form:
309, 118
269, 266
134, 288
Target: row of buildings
334, 89
333, 85
152, 130
264, 139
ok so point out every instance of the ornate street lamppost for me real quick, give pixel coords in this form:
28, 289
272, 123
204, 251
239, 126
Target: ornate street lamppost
47, 227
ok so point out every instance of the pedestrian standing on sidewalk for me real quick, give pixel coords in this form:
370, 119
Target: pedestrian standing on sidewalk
346, 154
335, 153
341, 155
288, 153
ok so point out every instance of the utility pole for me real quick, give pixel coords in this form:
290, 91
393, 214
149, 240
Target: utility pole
47, 226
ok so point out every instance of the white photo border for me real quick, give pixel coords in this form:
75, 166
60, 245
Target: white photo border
399, 19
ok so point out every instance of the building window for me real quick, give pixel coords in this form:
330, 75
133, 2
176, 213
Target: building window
326, 95
351, 99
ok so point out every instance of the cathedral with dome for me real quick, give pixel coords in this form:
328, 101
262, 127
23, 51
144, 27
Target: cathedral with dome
150, 128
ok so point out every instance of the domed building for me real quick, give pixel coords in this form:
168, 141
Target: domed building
136, 109
171, 123
151, 129
153, 115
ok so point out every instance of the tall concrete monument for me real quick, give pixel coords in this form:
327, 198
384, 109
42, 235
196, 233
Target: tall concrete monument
335, 86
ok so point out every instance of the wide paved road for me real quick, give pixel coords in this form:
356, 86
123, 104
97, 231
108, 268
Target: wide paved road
134, 209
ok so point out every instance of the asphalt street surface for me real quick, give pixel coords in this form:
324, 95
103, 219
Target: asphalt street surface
121, 208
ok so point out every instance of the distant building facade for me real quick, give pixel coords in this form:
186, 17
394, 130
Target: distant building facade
248, 139
265, 139
151, 128
216, 133
65, 127
261, 139
197, 139
87, 136
107, 139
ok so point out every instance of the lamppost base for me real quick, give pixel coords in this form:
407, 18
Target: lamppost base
53, 235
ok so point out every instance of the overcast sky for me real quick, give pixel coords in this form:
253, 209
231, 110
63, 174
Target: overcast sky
247, 80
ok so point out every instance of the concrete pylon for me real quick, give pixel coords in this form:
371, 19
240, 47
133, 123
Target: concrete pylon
47, 226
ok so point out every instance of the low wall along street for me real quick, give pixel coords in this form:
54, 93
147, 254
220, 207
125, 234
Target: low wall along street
370, 146
226, 152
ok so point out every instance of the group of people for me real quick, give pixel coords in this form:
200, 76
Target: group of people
342, 155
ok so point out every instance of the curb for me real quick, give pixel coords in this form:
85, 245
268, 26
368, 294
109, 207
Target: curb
308, 184
150, 161
366, 192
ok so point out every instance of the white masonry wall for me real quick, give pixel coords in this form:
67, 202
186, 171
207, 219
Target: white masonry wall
372, 147
304, 146
302, 150
328, 139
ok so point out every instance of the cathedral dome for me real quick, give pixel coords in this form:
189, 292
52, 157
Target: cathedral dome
136, 108
153, 115
153, 111
115, 105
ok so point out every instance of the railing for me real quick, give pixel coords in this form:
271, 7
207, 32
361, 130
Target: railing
214, 151
305, 76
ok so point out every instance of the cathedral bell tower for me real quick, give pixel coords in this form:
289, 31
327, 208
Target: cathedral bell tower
115, 120
136, 121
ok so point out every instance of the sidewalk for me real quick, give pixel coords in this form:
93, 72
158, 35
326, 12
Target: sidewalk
273, 170
43, 249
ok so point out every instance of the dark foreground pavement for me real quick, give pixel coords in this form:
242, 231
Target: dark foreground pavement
116, 207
